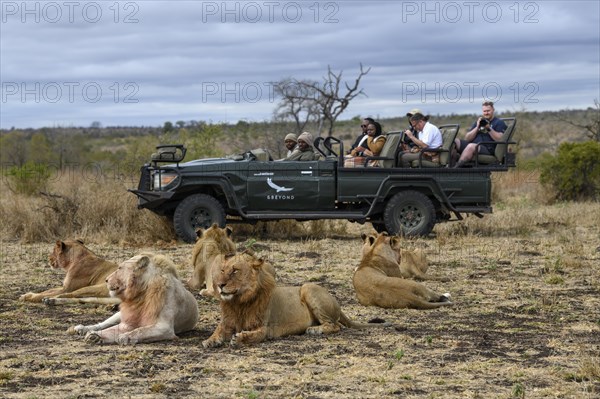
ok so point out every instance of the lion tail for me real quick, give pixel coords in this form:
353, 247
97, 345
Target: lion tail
376, 322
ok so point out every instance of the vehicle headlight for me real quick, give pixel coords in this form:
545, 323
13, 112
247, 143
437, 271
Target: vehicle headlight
163, 179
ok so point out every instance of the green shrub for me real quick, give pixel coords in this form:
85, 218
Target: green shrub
29, 179
574, 172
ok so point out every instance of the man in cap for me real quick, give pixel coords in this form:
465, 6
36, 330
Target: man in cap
407, 143
290, 142
305, 150
429, 137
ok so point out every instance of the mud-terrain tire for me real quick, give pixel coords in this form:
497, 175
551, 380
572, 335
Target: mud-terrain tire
409, 213
197, 211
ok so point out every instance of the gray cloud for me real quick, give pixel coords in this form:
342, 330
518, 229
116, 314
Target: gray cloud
154, 61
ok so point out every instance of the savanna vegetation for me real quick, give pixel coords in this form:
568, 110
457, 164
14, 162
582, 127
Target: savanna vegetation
525, 280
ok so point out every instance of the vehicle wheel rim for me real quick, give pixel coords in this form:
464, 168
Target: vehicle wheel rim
410, 216
200, 217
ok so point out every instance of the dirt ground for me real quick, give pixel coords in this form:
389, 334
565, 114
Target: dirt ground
526, 324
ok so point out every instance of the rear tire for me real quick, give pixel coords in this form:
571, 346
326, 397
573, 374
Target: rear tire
197, 211
409, 213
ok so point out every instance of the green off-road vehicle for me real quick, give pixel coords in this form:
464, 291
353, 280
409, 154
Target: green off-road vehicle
252, 187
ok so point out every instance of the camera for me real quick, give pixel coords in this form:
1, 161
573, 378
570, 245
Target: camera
406, 140
484, 126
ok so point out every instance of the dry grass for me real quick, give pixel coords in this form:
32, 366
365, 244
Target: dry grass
526, 324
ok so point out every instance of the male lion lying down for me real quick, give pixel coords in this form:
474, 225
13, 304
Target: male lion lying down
375, 286
412, 263
154, 304
86, 273
210, 245
253, 309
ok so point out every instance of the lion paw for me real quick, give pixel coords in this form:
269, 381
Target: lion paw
78, 330
206, 292
26, 297
93, 337
316, 330
211, 343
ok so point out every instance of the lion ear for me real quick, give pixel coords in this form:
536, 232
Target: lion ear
228, 231
199, 232
80, 240
395, 240
143, 262
363, 236
214, 226
257, 263
371, 240
60, 244
229, 255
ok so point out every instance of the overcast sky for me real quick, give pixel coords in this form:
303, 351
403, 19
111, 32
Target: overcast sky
134, 63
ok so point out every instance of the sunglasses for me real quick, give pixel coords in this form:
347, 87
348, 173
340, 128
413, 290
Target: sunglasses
363, 125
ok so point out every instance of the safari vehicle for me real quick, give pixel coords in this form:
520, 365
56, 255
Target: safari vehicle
252, 187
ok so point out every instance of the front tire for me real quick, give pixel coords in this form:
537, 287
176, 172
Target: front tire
409, 213
197, 211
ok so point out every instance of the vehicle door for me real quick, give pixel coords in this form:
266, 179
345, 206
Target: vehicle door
291, 185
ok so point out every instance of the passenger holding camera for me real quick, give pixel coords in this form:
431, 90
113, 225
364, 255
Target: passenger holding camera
487, 128
429, 136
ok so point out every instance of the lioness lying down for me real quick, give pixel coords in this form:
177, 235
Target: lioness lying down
374, 285
86, 273
253, 309
211, 244
412, 263
154, 304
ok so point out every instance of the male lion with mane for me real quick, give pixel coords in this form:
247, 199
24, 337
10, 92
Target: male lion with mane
211, 245
85, 273
254, 309
376, 282
154, 304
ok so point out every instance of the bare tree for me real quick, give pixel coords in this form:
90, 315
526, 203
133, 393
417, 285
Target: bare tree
590, 126
331, 101
321, 102
298, 102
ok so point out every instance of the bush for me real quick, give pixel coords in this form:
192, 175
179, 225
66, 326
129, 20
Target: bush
29, 179
574, 173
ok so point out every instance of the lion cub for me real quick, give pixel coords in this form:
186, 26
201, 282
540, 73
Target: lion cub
254, 309
85, 273
376, 282
154, 304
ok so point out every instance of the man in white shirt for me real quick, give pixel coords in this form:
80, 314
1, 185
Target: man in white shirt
429, 137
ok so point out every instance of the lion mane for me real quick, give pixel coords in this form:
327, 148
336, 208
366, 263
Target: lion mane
378, 281
254, 308
85, 273
155, 305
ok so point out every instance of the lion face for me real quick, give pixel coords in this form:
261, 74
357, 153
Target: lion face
222, 238
127, 279
236, 279
66, 253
